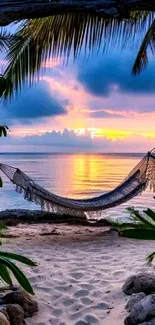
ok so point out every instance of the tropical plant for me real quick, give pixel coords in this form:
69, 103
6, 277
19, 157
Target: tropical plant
38, 40
140, 225
6, 265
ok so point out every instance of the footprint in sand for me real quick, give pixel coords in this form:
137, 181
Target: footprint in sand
81, 322
91, 319
76, 307
86, 301
76, 275
57, 312
87, 286
68, 301
102, 306
81, 293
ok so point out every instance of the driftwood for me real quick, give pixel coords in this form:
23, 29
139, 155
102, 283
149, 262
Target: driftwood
11, 10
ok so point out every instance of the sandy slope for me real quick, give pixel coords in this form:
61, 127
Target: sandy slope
81, 272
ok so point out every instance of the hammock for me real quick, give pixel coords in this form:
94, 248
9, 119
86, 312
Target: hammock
136, 182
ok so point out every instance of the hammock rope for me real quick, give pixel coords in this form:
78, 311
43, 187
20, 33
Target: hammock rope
135, 183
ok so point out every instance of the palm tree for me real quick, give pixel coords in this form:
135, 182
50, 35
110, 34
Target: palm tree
37, 40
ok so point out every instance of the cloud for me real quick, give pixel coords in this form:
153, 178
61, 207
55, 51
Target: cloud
102, 114
56, 138
35, 103
106, 74
71, 141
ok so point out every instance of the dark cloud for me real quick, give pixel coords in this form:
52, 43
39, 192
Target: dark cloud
34, 103
102, 73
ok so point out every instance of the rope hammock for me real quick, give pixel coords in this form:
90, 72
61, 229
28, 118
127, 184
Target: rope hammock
136, 182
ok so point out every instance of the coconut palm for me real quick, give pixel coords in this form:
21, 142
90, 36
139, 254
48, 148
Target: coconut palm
59, 36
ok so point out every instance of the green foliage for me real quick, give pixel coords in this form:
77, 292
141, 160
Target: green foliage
6, 85
3, 130
141, 225
38, 40
2, 85
5, 40
6, 265
142, 56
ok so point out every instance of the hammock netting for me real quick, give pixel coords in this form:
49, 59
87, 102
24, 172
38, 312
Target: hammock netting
136, 182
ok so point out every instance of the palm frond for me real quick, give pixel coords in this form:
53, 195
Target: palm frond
5, 39
141, 61
38, 40
142, 217
140, 224
150, 257
139, 233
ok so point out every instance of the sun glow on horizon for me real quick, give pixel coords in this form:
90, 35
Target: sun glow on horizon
104, 133
96, 134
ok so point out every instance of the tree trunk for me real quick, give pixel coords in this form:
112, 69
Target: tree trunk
11, 10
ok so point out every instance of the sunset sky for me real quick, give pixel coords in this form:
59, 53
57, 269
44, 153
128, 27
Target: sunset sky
93, 105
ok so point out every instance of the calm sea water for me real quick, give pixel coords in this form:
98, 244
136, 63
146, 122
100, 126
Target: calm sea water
73, 175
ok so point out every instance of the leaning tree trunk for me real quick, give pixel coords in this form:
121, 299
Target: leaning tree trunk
11, 10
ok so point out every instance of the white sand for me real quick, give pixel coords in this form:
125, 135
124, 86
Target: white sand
81, 272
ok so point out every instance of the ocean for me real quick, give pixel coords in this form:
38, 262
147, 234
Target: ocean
73, 175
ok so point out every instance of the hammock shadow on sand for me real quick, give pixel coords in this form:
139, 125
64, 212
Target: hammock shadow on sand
135, 183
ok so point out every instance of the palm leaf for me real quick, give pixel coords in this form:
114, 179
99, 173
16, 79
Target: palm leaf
5, 39
140, 226
4, 274
150, 257
141, 233
151, 215
142, 56
3, 130
140, 217
128, 225
18, 258
19, 275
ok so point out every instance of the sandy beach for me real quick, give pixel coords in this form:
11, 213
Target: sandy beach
81, 271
